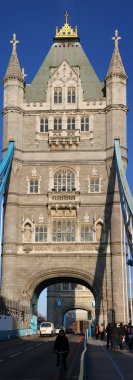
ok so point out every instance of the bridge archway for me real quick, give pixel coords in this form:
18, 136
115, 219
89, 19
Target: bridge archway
43, 279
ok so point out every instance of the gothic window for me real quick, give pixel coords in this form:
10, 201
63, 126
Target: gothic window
41, 233
71, 97
84, 124
34, 186
63, 230
99, 228
64, 180
71, 123
44, 125
57, 124
65, 286
94, 185
27, 233
86, 233
57, 95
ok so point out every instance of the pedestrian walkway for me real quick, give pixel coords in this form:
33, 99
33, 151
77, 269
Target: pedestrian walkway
103, 364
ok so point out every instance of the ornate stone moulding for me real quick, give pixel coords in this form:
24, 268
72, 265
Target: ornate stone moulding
63, 201
63, 138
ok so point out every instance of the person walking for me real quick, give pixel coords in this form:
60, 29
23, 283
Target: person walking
61, 347
108, 332
97, 331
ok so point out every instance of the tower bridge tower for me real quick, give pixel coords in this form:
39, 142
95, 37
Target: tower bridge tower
62, 219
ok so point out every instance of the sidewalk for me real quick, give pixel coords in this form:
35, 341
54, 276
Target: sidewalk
103, 364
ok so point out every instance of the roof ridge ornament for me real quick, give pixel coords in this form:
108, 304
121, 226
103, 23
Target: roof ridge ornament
66, 31
14, 42
116, 38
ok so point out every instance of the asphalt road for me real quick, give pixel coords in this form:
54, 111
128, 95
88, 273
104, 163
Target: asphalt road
33, 359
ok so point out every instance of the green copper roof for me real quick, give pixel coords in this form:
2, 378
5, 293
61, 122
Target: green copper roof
75, 56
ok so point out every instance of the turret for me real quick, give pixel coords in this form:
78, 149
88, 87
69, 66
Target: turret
116, 80
13, 99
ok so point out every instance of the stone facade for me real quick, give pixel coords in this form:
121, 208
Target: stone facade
65, 297
62, 217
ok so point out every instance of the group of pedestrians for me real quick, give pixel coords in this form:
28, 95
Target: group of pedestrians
116, 335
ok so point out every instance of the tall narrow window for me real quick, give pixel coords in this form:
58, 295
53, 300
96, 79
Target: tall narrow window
64, 180
71, 123
34, 188
84, 124
44, 125
71, 97
57, 124
63, 230
94, 185
57, 95
86, 233
40, 234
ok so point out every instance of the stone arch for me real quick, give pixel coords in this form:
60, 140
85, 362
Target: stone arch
64, 309
59, 275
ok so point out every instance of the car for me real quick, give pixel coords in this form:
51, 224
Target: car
58, 328
47, 328
70, 331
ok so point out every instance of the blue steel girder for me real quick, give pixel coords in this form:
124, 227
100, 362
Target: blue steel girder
6, 165
126, 198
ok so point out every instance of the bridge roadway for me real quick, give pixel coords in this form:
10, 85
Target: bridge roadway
33, 359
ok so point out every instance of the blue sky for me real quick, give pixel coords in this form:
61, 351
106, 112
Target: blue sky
34, 23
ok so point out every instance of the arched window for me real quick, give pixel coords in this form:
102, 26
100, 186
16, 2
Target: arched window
71, 123
87, 233
27, 233
41, 233
99, 230
57, 95
44, 125
63, 230
57, 124
94, 185
64, 180
84, 124
71, 97
34, 186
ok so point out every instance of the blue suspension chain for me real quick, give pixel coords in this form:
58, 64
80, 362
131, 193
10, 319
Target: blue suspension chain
125, 198
6, 165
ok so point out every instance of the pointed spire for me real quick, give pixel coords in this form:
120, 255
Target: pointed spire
116, 66
13, 69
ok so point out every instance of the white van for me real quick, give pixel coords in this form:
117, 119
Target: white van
47, 328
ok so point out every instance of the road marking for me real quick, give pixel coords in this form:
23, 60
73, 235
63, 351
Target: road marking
37, 345
18, 353
114, 364
28, 349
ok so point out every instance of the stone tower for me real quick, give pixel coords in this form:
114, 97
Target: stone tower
67, 296
62, 218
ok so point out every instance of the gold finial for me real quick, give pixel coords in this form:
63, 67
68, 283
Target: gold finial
116, 38
66, 31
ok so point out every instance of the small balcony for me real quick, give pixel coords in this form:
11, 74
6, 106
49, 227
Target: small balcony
64, 200
63, 138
